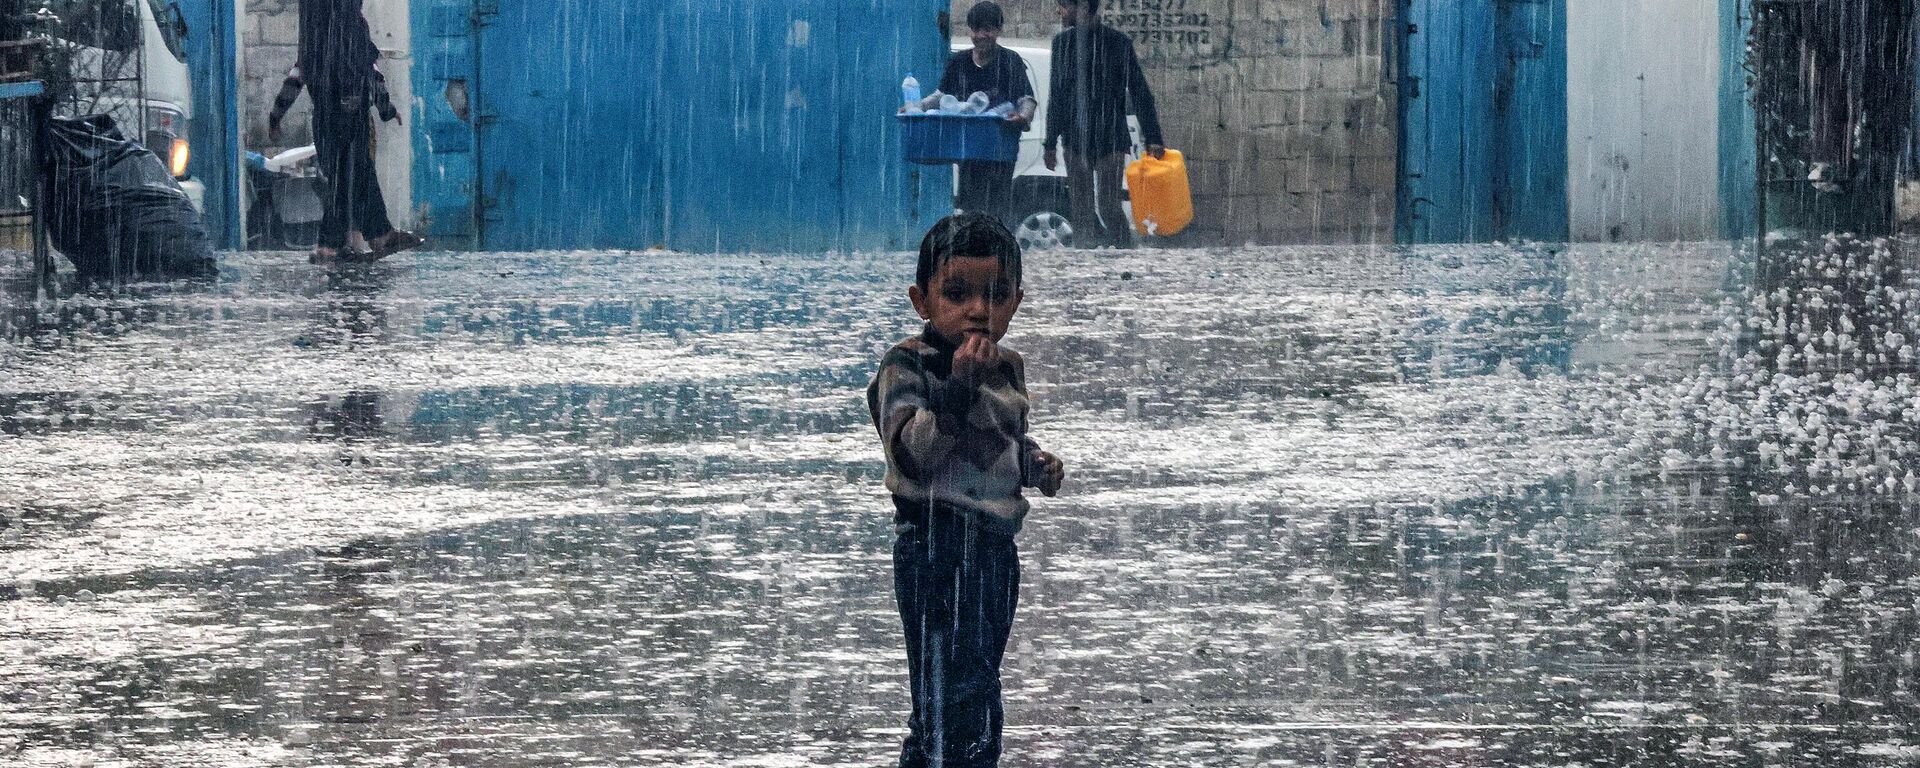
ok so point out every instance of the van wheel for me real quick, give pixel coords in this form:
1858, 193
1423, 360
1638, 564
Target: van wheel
1044, 231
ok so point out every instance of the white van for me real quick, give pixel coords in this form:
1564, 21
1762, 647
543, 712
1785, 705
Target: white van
169, 91
1040, 202
165, 104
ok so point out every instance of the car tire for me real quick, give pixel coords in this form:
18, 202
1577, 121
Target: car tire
1044, 231
1043, 206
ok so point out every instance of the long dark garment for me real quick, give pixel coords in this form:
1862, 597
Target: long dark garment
343, 138
1096, 79
336, 54
987, 187
956, 585
337, 65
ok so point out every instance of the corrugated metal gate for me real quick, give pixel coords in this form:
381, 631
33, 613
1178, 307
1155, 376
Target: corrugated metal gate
1483, 121
703, 126
212, 47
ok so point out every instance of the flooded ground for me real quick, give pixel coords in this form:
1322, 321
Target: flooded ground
1325, 506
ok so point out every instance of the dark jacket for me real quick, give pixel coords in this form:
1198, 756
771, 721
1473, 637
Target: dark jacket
1004, 79
1095, 72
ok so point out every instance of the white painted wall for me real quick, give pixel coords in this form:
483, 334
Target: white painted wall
393, 157
1643, 119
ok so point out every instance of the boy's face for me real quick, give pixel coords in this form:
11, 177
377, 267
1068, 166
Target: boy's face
984, 38
968, 295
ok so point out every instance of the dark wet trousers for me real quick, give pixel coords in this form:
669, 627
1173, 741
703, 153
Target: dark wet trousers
956, 585
343, 138
1093, 188
987, 187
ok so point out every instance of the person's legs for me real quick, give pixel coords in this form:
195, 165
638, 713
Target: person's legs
334, 159
972, 193
1109, 172
998, 179
957, 586
986, 187
370, 213
913, 587
1080, 195
1829, 43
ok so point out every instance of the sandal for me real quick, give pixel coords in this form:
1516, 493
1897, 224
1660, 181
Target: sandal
393, 242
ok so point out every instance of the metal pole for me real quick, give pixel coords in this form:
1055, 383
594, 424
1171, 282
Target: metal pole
37, 114
1764, 128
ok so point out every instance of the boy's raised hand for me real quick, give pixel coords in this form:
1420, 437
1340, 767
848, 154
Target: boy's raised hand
1051, 472
976, 357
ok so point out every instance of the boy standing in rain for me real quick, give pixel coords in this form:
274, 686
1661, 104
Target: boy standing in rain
986, 186
951, 408
1095, 71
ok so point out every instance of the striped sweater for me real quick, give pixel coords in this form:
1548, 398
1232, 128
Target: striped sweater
951, 445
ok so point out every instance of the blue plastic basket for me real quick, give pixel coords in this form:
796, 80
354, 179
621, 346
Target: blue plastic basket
942, 139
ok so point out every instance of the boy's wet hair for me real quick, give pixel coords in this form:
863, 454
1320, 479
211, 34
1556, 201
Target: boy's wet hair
1093, 6
967, 234
986, 14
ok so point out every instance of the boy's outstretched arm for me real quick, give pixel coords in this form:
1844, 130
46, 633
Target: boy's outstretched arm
1038, 468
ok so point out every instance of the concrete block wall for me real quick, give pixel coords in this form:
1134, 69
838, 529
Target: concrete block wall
270, 34
1285, 109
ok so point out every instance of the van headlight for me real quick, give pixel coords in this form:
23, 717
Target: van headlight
177, 158
167, 137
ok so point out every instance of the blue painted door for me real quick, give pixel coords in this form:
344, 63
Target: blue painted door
885, 204
212, 46
753, 154
701, 126
1530, 107
446, 165
569, 120
1739, 156
1483, 121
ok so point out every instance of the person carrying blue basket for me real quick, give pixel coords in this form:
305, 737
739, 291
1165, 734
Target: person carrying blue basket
986, 186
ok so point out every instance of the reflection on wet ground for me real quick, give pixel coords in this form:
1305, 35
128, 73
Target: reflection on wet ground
1327, 506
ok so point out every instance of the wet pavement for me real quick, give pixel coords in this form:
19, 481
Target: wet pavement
1624, 505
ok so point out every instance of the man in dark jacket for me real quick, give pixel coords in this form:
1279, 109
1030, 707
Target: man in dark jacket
1095, 71
337, 65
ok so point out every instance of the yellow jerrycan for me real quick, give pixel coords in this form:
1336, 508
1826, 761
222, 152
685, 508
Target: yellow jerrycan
1162, 200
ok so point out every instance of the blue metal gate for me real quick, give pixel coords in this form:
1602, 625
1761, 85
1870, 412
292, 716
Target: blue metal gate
1483, 107
1739, 146
702, 126
212, 48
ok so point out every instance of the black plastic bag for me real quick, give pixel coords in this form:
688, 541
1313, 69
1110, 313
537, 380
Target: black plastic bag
112, 207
